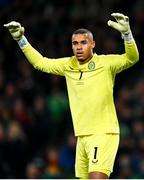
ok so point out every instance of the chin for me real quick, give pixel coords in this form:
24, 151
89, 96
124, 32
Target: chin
80, 58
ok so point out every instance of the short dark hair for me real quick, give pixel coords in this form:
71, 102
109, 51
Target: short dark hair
83, 31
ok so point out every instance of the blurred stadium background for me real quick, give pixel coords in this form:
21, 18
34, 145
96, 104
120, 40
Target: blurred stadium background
36, 133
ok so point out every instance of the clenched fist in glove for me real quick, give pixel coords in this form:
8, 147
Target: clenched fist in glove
15, 29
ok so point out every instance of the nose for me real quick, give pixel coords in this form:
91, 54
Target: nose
79, 46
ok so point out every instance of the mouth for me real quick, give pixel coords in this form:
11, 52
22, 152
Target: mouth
79, 54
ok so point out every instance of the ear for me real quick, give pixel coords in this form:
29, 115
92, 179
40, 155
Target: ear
93, 44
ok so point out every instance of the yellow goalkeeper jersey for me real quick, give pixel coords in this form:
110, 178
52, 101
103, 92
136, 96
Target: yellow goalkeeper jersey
90, 86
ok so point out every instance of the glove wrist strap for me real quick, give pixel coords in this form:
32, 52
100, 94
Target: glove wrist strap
127, 37
23, 42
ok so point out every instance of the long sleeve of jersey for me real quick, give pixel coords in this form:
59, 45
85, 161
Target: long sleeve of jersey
128, 59
54, 66
132, 51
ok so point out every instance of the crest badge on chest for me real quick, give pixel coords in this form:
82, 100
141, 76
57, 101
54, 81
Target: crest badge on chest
91, 65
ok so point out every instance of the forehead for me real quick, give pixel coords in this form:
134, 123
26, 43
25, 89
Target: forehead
80, 37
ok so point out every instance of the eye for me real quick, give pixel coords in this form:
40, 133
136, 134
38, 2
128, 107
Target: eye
74, 43
84, 42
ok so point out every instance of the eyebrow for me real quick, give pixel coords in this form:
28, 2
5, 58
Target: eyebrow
83, 41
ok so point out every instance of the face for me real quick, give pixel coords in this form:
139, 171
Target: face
82, 45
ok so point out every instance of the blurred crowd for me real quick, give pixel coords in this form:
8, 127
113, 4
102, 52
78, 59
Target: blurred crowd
36, 133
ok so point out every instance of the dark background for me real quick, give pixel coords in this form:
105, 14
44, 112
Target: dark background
36, 133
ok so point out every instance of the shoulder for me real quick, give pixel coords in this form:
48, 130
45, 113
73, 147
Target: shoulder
108, 57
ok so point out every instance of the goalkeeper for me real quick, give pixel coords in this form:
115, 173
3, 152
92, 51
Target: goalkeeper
90, 81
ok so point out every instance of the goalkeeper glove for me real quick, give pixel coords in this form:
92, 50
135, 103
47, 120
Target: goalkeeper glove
121, 24
15, 29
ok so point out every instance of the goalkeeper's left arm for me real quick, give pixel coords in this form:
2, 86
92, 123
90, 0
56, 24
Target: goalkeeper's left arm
122, 25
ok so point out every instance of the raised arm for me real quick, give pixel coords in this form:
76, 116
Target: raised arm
54, 66
122, 25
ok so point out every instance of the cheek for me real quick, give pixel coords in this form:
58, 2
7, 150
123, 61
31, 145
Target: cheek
86, 49
74, 50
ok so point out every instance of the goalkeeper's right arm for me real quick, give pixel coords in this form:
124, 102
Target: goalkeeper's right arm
33, 56
17, 32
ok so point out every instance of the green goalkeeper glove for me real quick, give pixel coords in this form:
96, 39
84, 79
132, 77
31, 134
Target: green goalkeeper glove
121, 24
15, 29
